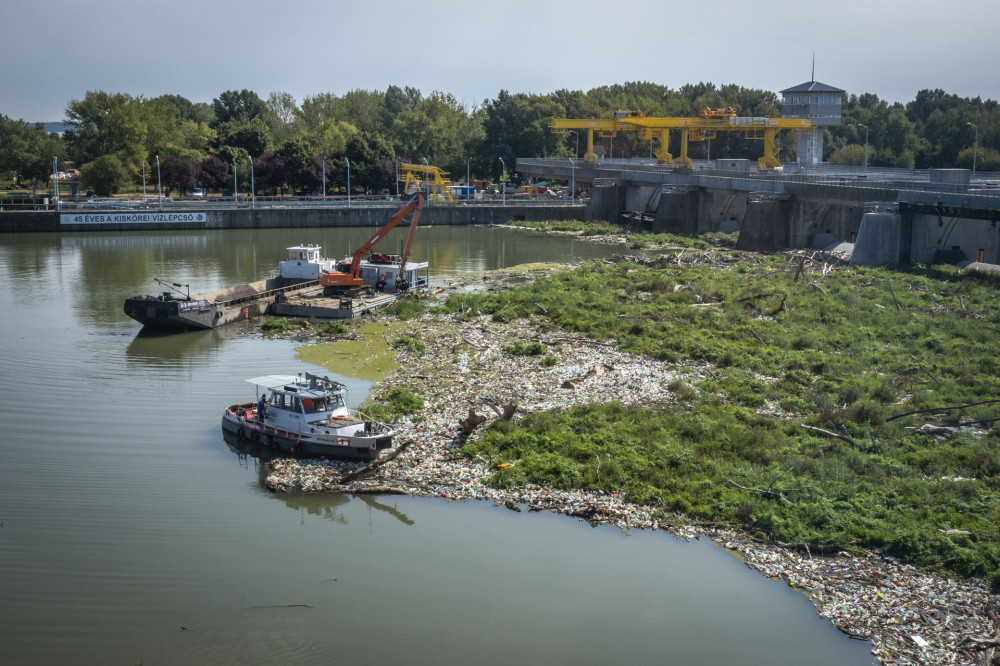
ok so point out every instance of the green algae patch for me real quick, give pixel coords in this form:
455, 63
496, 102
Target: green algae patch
371, 356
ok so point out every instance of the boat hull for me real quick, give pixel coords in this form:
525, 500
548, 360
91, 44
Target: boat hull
213, 308
338, 445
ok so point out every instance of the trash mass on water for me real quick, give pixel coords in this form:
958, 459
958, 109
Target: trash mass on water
909, 616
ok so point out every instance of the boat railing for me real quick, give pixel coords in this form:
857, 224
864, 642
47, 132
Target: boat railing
256, 296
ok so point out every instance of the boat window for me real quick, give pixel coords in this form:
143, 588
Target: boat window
308, 405
278, 400
295, 404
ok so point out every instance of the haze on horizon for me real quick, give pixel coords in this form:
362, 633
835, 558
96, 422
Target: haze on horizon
56, 52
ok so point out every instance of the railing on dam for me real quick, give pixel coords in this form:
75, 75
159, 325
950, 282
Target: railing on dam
706, 174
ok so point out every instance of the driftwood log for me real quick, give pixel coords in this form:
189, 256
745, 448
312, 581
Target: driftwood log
370, 469
474, 420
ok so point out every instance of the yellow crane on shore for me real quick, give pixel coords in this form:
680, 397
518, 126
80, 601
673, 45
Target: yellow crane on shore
701, 128
433, 180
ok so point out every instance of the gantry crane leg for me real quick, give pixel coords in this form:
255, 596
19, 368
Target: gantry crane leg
590, 156
663, 152
683, 160
770, 158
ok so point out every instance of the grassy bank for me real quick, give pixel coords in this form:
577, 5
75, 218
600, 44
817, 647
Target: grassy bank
807, 429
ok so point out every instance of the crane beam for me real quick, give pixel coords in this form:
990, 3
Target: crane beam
698, 128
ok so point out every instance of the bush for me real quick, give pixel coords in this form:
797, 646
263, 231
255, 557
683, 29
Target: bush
277, 326
333, 328
410, 343
406, 308
521, 349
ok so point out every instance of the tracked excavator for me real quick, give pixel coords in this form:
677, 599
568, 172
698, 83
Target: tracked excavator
347, 280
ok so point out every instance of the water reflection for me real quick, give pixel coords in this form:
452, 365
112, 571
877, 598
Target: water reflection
254, 456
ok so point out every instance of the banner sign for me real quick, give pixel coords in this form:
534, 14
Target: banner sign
130, 218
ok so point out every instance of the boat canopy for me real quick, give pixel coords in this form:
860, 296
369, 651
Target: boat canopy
273, 382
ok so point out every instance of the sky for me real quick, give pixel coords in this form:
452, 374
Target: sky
54, 51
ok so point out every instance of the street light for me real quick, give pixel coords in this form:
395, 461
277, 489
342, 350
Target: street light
975, 148
236, 186
348, 182
503, 181
427, 177
324, 178
55, 180
866, 145
396, 160
159, 187
572, 187
253, 189
468, 180
577, 135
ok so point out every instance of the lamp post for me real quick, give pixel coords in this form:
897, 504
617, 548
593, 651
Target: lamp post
55, 181
975, 148
866, 145
577, 135
236, 187
572, 187
348, 182
396, 160
143, 180
159, 186
324, 178
253, 189
503, 181
468, 178
427, 177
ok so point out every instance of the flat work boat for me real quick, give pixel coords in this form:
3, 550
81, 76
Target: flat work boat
176, 310
307, 417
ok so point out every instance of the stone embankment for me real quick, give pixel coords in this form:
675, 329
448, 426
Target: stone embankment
909, 616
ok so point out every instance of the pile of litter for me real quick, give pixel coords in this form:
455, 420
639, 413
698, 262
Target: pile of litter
909, 616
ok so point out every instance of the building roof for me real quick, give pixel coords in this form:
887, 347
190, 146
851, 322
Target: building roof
811, 86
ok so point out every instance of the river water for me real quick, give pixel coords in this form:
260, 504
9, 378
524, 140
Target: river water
130, 530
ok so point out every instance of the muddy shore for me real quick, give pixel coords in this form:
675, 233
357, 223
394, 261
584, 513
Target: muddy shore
908, 616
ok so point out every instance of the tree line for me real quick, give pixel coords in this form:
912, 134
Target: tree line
116, 139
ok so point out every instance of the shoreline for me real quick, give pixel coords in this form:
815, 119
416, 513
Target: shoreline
908, 616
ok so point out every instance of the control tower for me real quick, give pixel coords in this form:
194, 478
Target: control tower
819, 103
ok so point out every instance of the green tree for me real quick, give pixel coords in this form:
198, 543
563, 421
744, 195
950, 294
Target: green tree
517, 125
851, 155
106, 124
26, 152
236, 106
296, 155
283, 110
252, 135
105, 175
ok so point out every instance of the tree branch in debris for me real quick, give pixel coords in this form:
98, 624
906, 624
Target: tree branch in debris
942, 409
773, 494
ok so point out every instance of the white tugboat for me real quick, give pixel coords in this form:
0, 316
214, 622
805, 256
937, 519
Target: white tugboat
308, 417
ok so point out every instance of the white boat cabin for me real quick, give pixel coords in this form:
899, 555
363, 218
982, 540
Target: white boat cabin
385, 268
304, 263
292, 402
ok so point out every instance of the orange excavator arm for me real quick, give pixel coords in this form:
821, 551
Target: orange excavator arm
415, 206
351, 277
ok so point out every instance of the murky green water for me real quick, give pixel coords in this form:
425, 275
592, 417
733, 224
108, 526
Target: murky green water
130, 530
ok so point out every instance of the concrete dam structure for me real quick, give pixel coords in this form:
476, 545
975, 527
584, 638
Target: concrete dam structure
889, 216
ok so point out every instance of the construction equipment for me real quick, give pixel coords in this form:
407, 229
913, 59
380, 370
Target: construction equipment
346, 280
433, 181
704, 126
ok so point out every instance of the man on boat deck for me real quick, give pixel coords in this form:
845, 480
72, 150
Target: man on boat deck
262, 407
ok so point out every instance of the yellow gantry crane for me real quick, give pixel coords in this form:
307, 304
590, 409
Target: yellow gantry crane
433, 180
701, 128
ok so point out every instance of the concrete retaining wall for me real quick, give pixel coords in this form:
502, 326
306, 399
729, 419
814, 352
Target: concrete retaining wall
265, 218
